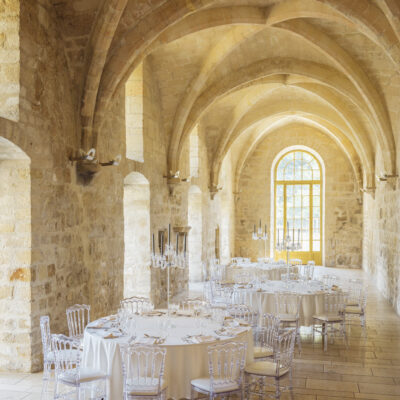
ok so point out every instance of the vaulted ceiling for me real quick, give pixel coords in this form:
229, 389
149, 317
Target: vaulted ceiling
241, 68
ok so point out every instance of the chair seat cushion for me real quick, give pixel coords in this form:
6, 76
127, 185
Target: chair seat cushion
144, 388
352, 303
329, 317
220, 386
265, 368
287, 317
85, 375
262, 352
353, 310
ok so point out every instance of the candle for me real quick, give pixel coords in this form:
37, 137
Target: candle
298, 235
162, 243
287, 227
293, 234
254, 228
260, 223
153, 245
184, 245
265, 229
169, 234
177, 242
278, 236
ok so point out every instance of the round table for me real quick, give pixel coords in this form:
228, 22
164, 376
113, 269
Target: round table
262, 300
271, 272
184, 361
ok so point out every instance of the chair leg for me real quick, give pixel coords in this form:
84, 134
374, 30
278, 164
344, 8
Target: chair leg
192, 393
277, 389
325, 336
298, 337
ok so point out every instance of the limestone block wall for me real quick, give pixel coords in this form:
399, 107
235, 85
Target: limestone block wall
381, 243
343, 209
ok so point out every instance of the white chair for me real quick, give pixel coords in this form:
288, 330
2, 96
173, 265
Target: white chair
72, 381
243, 313
265, 337
330, 280
226, 364
333, 315
48, 354
143, 372
136, 305
356, 305
257, 373
78, 316
287, 309
216, 294
306, 272
193, 305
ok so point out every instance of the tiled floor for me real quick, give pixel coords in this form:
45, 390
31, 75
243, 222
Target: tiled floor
368, 369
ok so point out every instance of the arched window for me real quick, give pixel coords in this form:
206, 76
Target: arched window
298, 203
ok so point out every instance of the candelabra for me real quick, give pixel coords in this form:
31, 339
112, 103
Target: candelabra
260, 235
169, 257
288, 244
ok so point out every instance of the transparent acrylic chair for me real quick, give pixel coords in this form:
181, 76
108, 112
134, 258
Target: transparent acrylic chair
306, 271
265, 337
243, 313
193, 305
71, 380
257, 373
48, 354
143, 372
136, 305
356, 304
332, 320
287, 309
226, 365
78, 316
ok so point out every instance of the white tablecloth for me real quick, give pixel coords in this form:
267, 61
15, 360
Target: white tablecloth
271, 272
183, 363
263, 300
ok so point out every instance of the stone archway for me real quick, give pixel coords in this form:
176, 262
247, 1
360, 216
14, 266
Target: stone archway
195, 235
137, 277
15, 258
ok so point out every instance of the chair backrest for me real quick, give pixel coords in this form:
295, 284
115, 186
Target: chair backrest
78, 316
67, 354
142, 366
226, 363
192, 305
287, 303
335, 302
307, 271
242, 312
136, 305
330, 280
265, 335
45, 332
284, 349
295, 261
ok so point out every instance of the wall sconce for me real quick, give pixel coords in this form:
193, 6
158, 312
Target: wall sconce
87, 165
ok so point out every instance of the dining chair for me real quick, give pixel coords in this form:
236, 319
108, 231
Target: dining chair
333, 315
48, 354
306, 271
356, 305
72, 380
243, 313
78, 316
136, 305
287, 309
194, 305
143, 372
265, 336
280, 367
225, 365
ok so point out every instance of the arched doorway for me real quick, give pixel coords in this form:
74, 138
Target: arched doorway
298, 203
195, 221
15, 258
137, 279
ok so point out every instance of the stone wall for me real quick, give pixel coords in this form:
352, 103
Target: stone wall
343, 210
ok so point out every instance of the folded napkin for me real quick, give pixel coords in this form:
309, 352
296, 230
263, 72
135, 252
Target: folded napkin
199, 339
148, 339
98, 326
112, 336
184, 313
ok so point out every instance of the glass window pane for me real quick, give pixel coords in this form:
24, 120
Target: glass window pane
316, 246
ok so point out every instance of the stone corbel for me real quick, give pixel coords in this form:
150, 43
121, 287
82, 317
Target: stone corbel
173, 180
237, 196
214, 189
391, 180
369, 190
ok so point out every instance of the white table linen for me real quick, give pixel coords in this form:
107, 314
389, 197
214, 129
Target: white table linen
271, 272
184, 361
262, 300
